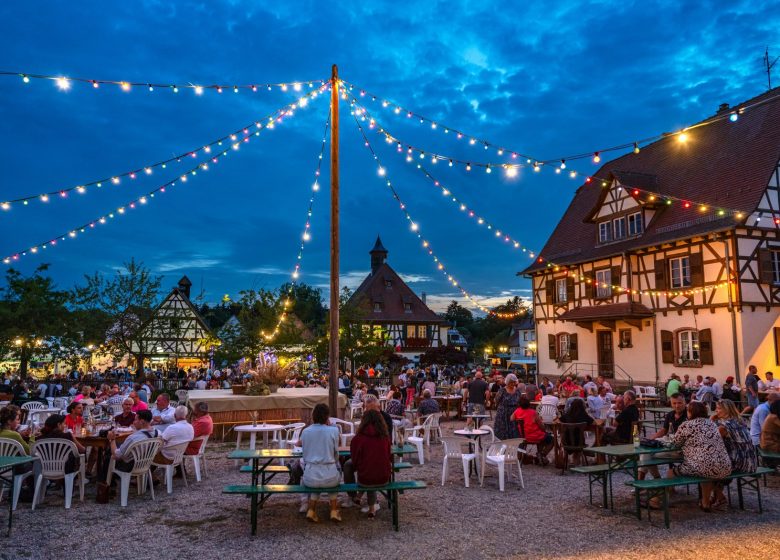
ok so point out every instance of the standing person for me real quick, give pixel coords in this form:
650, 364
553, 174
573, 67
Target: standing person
507, 401
409, 388
370, 458
320, 443
751, 388
477, 394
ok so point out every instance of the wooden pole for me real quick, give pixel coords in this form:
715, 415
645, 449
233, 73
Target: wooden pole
333, 356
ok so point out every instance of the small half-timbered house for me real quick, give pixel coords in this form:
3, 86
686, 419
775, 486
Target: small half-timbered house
668, 258
388, 303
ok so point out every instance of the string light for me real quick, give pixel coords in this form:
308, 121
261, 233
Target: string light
65, 83
305, 238
132, 204
244, 131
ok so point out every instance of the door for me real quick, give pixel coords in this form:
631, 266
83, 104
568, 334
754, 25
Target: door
606, 356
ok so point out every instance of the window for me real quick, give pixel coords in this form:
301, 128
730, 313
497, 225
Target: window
619, 227
625, 338
422, 331
563, 346
560, 290
604, 283
407, 307
388, 283
605, 232
635, 224
680, 272
775, 267
688, 344
377, 307
411, 331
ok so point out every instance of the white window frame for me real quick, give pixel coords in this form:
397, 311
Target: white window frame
775, 254
635, 224
619, 229
603, 277
377, 307
680, 272
605, 232
563, 346
560, 291
407, 307
688, 348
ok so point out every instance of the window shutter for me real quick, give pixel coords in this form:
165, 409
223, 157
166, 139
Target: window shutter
615, 278
705, 347
697, 270
667, 347
765, 266
552, 346
589, 288
573, 351
660, 274
570, 289
549, 290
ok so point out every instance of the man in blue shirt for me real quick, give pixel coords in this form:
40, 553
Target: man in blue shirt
759, 415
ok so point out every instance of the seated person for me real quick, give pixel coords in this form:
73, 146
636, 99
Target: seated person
143, 431
394, 405
770, 433
9, 424
427, 405
370, 458
54, 428
320, 460
531, 428
163, 413
127, 417
672, 422
202, 425
575, 415
624, 421
75, 418
595, 402
175, 434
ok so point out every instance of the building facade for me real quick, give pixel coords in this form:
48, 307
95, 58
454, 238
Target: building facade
668, 259
388, 303
522, 345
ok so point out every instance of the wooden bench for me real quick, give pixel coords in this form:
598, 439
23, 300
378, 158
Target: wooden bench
273, 470
391, 490
657, 488
601, 473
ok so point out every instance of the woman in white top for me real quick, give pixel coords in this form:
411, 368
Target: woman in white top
320, 443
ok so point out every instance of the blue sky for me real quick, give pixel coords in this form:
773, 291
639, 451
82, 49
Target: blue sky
548, 79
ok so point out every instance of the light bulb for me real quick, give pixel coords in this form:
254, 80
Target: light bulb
63, 83
198, 90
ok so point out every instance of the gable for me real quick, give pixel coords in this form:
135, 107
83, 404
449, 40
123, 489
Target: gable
767, 211
617, 200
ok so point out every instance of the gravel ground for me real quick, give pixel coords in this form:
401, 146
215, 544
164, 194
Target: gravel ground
550, 518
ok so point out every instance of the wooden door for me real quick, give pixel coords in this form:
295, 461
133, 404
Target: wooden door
606, 354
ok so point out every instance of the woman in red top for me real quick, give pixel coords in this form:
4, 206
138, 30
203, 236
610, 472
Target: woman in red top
371, 460
75, 418
531, 428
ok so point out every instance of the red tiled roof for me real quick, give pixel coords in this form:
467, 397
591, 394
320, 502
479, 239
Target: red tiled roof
373, 289
629, 310
724, 164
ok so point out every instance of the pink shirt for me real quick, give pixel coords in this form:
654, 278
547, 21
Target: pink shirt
202, 426
140, 405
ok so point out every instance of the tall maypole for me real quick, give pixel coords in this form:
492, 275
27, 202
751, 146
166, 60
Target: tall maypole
333, 355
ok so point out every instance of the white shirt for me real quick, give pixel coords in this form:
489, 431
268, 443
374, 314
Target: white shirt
764, 385
550, 399
176, 433
200, 384
166, 418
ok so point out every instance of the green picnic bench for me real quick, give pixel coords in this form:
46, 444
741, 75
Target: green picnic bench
657, 488
391, 490
773, 456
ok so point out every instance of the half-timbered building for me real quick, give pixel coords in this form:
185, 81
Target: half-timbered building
389, 304
175, 333
668, 258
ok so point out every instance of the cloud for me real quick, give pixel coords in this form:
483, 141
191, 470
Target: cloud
197, 262
270, 270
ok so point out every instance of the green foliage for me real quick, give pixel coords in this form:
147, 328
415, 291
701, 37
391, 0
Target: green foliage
457, 315
447, 355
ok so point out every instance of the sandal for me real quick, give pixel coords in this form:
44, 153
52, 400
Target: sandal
718, 503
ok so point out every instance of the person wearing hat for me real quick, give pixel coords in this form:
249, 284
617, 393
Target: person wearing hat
202, 425
731, 390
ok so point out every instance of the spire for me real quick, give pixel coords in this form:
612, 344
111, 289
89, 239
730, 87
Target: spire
184, 286
378, 255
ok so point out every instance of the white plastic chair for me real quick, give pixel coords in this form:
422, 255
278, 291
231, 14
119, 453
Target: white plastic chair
115, 409
502, 454
291, 435
12, 448
355, 407
141, 452
183, 395
548, 412
33, 405
650, 391
435, 427
492, 437
36, 418
53, 454
453, 450
196, 458
413, 437
346, 429
61, 403
178, 453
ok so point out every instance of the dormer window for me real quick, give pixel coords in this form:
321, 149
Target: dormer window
407, 307
388, 283
635, 226
377, 307
619, 226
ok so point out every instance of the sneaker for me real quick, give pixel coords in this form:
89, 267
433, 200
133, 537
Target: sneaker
346, 503
365, 509
311, 515
304, 507
335, 515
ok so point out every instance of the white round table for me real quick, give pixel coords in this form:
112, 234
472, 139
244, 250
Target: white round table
473, 436
261, 428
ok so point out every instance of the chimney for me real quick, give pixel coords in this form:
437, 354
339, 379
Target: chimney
184, 286
423, 298
722, 108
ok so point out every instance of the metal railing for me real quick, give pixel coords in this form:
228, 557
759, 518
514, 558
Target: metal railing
614, 371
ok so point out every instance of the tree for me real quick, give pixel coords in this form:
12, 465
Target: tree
33, 315
457, 315
448, 355
125, 300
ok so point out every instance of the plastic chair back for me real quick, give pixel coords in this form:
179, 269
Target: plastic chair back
548, 412
202, 448
142, 453
11, 448
53, 454
453, 446
33, 405
177, 451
